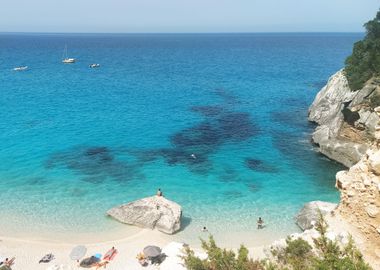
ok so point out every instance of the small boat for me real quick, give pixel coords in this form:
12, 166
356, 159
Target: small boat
20, 68
94, 65
67, 60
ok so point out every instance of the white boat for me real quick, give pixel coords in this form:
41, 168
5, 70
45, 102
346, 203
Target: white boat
94, 65
67, 60
20, 68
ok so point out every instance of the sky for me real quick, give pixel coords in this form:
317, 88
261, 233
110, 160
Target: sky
168, 16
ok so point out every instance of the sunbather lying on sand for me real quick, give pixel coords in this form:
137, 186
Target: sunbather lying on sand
9, 262
110, 254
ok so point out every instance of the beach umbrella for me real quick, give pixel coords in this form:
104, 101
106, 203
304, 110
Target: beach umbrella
78, 253
151, 251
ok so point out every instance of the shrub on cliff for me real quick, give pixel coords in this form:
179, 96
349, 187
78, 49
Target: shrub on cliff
296, 255
332, 256
364, 62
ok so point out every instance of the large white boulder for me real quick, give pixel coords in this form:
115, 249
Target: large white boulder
309, 214
154, 212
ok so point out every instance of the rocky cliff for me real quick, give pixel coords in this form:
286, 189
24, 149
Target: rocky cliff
360, 200
346, 120
348, 131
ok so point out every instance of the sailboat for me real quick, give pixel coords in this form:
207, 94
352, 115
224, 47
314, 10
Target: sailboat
67, 60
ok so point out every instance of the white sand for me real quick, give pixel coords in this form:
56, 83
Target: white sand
29, 252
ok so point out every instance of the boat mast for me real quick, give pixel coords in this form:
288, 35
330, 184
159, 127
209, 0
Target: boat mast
64, 56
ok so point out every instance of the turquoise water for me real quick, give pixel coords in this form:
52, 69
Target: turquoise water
77, 141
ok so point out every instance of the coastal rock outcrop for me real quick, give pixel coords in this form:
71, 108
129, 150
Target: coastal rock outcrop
154, 212
348, 131
360, 199
346, 119
309, 214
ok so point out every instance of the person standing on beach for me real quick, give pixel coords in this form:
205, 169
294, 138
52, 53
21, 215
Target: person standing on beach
159, 193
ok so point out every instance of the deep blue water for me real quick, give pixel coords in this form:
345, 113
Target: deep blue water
76, 141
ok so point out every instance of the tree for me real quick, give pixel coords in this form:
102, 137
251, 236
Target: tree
364, 62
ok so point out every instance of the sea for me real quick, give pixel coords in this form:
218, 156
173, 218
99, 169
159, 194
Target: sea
218, 122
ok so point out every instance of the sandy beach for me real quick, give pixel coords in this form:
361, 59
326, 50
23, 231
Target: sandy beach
29, 252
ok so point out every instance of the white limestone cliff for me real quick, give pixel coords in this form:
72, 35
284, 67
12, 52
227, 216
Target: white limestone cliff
346, 119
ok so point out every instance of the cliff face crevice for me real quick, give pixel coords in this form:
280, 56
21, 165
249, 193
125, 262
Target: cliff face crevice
346, 120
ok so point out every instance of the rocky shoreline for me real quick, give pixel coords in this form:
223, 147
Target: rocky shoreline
348, 132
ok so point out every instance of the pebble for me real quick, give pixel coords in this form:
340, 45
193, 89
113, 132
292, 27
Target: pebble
372, 211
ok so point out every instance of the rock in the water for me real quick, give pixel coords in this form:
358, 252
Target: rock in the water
309, 214
152, 212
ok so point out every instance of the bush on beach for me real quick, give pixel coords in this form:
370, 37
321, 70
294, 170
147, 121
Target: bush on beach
325, 254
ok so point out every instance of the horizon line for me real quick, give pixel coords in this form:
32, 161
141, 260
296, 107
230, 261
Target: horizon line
186, 33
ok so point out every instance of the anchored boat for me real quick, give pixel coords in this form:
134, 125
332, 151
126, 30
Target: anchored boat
66, 59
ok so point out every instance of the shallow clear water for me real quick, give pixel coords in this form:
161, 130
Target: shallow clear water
76, 141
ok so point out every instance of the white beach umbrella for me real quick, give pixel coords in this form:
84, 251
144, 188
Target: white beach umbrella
78, 253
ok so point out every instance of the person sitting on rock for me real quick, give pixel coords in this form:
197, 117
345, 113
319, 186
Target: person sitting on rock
260, 223
159, 193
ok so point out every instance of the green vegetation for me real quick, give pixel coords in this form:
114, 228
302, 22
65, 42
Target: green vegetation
364, 63
296, 255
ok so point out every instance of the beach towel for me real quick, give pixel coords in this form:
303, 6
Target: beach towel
47, 258
5, 267
110, 254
